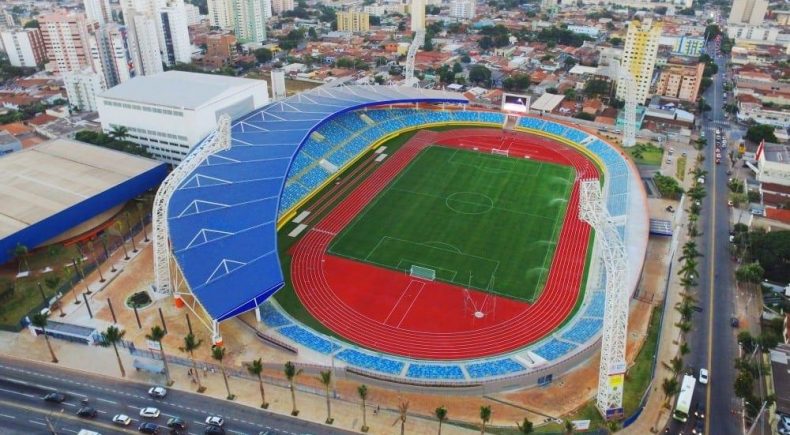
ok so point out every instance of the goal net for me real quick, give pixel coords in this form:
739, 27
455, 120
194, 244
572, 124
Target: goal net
422, 272
505, 153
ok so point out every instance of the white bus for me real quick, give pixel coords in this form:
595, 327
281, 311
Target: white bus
684, 398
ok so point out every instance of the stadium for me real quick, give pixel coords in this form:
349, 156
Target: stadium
401, 234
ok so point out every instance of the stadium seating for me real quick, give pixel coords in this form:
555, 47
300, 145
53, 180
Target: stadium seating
430, 371
554, 349
617, 204
308, 339
596, 306
583, 330
271, 317
493, 368
371, 362
314, 177
292, 194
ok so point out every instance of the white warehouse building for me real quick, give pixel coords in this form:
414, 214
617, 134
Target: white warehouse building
171, 112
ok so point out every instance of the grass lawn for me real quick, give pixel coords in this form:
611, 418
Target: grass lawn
479, 220
680, 171
646, 154
639, 375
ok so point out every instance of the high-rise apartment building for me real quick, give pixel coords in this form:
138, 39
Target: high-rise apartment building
110, 54
220, 14
748, 12
639, 57
463, 9
680, 82
280, 6
157, 34
193, 14
98, 10
66, 41
143, 43
250, 19
25, 47
176, 48
353, 21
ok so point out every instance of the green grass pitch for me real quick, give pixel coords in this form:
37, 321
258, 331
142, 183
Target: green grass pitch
482, 221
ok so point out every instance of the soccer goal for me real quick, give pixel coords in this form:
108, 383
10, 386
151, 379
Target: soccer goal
422, 272
505, 153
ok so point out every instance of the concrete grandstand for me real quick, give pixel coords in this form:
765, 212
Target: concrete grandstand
282, 155
62, 188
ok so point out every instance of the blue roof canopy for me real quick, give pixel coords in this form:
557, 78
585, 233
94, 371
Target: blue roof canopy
223, 217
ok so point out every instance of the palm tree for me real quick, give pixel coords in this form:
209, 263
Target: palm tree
684, 326
131, 234
326, 380
191, 344
119, 132
52, 283
256, 368
113, 336
525, 426
403, 412
568, 426
485, 417
690, 251
362, 390
96, 262
21, 252
684, 348
119, 226
40, 321
676, 365
141, 213
291, 373
103, 239
157, 334
670, 387
441, 415
218, 353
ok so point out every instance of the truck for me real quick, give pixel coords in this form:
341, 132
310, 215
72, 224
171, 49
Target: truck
87, 432
684, 398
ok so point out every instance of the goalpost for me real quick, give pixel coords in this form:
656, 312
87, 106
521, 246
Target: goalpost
422, 272
498, 152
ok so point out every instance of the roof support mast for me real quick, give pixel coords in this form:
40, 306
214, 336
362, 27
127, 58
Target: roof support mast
615, 324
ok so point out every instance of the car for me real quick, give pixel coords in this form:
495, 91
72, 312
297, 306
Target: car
734, 322
157, 392
699, 410
55, 397
149, 428
87, 412
784, 421
149, 412
703, 376
699, 427
215, 420
729, 204
176, 423
214, 430
122, 420
669, 160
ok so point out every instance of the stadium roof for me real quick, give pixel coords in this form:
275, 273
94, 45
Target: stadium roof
180, 89
52, 187
223, 217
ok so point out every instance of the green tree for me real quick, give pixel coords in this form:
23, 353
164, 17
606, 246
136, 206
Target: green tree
191, 344
21, 253
758, 133
441, 414
403, 412
670, 387
32, 24
263, 55
480, 75
772, 251
750, 273
218, 353
256, 368
119, 132
157, 334
362, 390
325, 377
485, 417
525, 427
744, 384
112, 336
291, 373
39, 320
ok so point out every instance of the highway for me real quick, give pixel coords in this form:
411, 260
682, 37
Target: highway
23, 411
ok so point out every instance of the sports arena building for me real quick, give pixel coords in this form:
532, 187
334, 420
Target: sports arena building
216, 234
63, 188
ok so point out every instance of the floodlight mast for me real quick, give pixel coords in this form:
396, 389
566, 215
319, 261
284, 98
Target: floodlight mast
615, 324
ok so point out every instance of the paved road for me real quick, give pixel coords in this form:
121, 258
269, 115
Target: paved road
716, 297
23, 384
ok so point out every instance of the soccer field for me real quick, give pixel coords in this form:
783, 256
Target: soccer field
478, 220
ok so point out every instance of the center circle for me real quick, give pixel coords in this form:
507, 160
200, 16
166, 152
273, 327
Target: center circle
469, 203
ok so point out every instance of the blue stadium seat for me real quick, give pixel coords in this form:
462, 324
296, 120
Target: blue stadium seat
583, 330
493, 368
431, 371
371, 362
597, 305
271, 317
553, 349
308, 339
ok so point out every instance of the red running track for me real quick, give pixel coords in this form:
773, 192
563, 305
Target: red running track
392, 312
